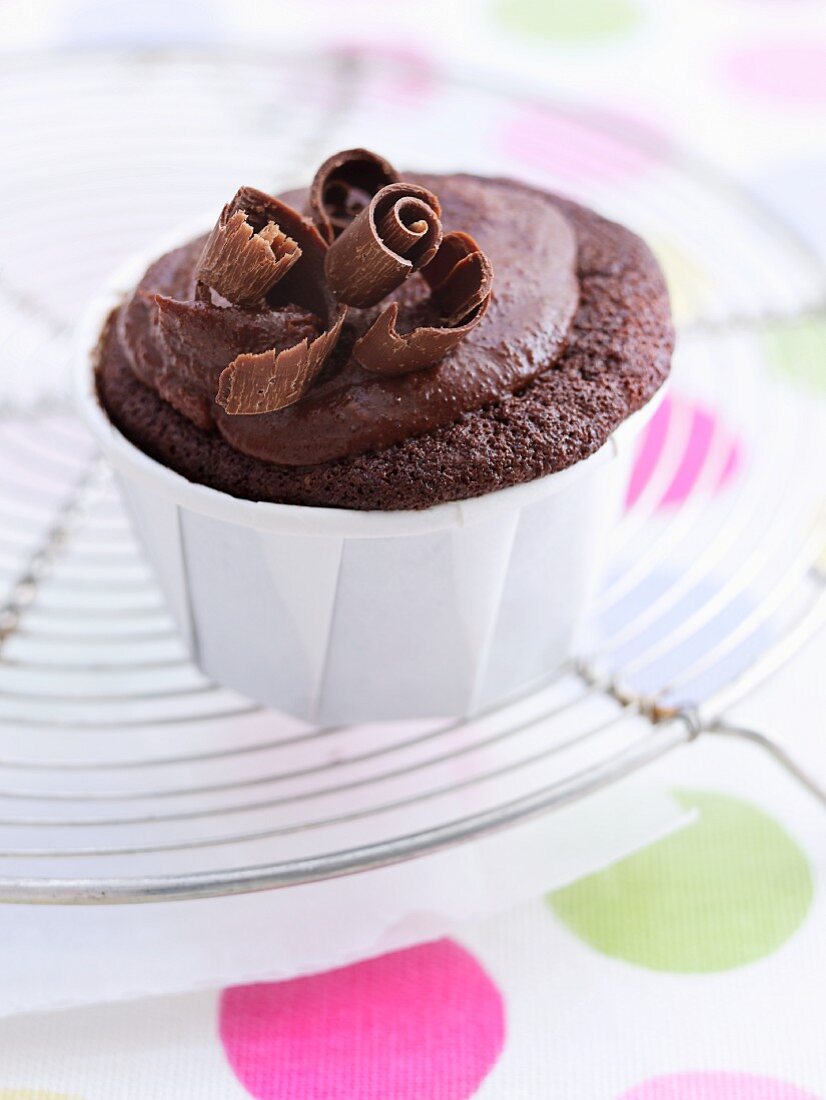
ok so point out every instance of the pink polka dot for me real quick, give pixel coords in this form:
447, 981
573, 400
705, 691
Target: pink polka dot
577, 151
407, 77
704, 430
791, 72
650, 450
427, 1021
715, 1086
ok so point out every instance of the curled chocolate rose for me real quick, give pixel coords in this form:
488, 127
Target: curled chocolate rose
249, 330
460, 278
246, 253
398, 233
343, 186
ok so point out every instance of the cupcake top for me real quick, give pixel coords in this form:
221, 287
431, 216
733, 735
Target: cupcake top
378, 342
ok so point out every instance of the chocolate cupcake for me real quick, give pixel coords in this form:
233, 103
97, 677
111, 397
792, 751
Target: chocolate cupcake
371, 432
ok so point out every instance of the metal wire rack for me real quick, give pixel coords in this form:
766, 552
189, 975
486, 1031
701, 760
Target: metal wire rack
126, 776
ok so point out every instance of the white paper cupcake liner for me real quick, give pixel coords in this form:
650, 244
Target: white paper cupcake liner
334, 615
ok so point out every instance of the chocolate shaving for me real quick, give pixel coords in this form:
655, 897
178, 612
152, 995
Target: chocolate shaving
273, 380
343, 186
267, 380
459, 277
399, 232
246, 254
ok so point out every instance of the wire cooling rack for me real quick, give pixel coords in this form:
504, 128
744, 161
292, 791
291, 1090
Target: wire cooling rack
124, 774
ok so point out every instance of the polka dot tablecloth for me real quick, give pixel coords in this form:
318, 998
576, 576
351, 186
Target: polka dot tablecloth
693, 970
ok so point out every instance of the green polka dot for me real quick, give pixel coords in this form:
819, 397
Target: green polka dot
799, 351
33, 1094
689, 285
568, 19
722, 892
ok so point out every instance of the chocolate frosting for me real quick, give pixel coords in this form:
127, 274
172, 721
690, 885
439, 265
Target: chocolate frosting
349, 410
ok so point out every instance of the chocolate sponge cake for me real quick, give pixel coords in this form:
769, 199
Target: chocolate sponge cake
381, 345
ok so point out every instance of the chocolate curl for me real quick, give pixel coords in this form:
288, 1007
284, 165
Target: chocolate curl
272, 380
245, 254
399, 232
343, 186
459, 278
